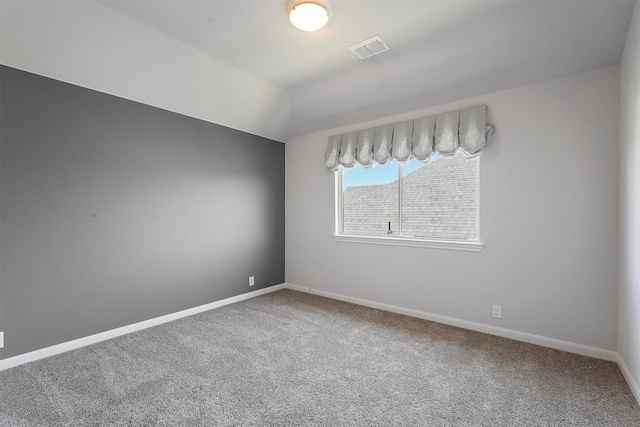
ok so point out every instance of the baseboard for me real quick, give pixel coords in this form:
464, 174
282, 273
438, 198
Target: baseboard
567, 346
629, 378
103, 336
474, 326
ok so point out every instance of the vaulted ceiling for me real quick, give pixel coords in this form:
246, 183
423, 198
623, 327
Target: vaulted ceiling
440, 51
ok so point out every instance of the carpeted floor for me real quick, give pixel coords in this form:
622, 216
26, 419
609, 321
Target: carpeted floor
291, 359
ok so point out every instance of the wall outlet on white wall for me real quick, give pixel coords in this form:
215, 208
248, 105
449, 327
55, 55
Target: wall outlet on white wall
1, 339
251, 280
497, 311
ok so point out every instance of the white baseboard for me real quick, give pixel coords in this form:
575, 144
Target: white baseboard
570, 347
627, 376
103, 336
488, 329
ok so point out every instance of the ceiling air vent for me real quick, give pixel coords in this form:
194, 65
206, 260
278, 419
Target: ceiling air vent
369, 47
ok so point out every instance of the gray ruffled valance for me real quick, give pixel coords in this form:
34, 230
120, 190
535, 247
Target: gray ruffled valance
420, 139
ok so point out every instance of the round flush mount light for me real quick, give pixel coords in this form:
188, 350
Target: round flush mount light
308, 16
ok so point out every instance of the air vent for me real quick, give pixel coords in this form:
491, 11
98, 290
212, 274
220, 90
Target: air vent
369, 47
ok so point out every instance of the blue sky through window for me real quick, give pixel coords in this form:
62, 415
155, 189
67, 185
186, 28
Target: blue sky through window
380, 175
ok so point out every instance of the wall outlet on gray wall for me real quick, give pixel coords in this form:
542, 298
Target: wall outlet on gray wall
251, 280
1, 339
497, 311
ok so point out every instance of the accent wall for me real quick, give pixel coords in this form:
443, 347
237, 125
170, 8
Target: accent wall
113, 212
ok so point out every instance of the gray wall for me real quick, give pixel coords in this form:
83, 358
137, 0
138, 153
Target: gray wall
548, 218
629, 287
114, 212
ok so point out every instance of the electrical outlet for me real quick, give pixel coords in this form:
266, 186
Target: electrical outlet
251, 281
497, 311
1, 339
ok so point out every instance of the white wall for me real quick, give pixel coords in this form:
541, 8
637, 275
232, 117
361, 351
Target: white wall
549, 219
629, 288
90, 45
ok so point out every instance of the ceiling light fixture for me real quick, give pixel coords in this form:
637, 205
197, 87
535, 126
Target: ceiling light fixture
308, 16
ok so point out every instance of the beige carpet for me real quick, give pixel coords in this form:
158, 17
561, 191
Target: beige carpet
291, 359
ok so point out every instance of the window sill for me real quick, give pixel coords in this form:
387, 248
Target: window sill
416, 243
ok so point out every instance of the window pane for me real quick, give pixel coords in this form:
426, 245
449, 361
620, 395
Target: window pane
370, 200
439, 199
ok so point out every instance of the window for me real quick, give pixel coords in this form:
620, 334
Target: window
386, 195
418, 204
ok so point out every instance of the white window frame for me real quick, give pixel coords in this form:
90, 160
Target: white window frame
471, 246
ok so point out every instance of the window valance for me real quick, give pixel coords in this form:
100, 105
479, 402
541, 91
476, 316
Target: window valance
419, 139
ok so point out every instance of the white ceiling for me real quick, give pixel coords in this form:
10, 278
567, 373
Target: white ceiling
441, 51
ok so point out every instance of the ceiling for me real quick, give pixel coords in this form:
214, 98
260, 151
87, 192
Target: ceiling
441, 51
